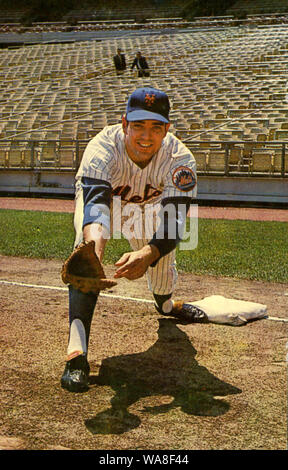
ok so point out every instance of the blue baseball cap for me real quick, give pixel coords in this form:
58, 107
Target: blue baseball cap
148, 103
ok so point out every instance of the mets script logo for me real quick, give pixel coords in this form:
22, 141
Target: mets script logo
184, 179
125, 192
149, 99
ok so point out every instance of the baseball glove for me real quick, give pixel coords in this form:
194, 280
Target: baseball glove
84, 271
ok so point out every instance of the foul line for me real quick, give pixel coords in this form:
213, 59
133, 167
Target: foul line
122, 297
38, 286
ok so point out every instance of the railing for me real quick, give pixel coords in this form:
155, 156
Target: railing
219, 158
240, 158
42, 154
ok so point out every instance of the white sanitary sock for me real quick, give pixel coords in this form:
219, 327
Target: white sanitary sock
167, 306
77, 340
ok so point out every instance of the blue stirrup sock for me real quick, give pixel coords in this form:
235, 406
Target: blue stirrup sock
81, 309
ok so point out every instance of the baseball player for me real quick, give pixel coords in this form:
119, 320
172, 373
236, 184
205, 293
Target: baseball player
127, 170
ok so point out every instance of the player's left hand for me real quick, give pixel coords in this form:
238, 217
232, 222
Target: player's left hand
134, 265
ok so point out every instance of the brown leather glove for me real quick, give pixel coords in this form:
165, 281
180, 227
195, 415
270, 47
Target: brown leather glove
84, 271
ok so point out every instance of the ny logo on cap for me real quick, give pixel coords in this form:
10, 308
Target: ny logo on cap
149, 99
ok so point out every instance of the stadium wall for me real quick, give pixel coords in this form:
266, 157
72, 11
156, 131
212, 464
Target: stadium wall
215, 189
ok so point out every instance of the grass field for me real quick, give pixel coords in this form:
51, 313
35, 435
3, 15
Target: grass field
240, 248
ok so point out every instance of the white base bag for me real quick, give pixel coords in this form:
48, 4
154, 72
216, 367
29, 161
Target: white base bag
219, 309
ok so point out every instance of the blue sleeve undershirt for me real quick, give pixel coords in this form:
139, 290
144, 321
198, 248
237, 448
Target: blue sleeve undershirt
95, 192
166, 243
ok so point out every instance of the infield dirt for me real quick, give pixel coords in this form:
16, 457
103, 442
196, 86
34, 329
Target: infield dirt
156, 383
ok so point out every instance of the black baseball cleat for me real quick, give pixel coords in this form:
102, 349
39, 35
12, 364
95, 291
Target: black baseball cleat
75, 377
187, 312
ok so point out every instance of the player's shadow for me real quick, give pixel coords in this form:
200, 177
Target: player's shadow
168, 368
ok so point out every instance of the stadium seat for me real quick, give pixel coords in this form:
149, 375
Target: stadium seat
277, 161
48, 155
27, 157
67, 155
4, 154
281, 134
201, 158
15, 157
217, 161
235, 158
261, 161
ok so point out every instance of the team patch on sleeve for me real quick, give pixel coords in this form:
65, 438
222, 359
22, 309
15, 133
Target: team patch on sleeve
184, 178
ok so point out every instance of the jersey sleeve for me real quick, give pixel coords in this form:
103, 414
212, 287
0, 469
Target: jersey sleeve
181, 178
99, 157
94, 176
180, 184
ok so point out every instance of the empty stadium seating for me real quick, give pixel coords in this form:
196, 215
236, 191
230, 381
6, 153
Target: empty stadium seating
226, 85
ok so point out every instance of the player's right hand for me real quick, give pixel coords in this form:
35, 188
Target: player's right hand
133, 265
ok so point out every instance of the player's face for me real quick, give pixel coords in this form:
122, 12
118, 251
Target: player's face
143, 138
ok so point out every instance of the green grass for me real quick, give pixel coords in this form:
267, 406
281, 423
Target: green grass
36, 234
241, 249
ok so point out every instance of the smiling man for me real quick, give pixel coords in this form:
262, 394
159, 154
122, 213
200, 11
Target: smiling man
143, 139
142, 165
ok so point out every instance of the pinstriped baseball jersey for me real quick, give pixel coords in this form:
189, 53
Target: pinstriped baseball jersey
170, 173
